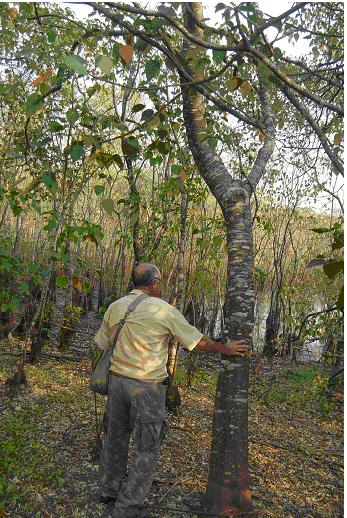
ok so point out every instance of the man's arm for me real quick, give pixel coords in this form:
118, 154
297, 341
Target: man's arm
233, 348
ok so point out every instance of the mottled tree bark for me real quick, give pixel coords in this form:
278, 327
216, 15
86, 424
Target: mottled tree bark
228, 489
228, 481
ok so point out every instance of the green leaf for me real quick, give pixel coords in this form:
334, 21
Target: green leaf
277, 52
108, 205
322, 230
138, 108
98, 189
61, 281
77, 64
107, 159
121, 126
337, 243
147, 115
333, 268
218, 55
104, 63
152, 68
264, 72
219, 7
16, 208
163, 147
245, 88
72, 116
217, 241
247, 7
130, 146
212, 142
76, 151
92, 141
176, 168
134, 218
50, 180
33, 104
55, 126
51, 36
340, 300
93, 89
105, 121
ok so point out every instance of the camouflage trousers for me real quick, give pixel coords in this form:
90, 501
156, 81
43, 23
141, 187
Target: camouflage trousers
134, 408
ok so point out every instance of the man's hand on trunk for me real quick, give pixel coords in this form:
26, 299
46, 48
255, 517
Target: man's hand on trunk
236, 348
232, 348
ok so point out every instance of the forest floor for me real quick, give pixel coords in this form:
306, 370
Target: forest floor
50, 456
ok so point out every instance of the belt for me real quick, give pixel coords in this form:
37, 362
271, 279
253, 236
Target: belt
164, 382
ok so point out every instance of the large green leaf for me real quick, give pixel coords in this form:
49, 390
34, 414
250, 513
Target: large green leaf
108, 205
99, 189
50, 181
152, 68
104, 63
33, 104
76, 151
333, 268
55, 126
130, 146
72, 116
218, 55
77, 64
147, 114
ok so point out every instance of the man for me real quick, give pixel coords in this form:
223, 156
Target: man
136, 397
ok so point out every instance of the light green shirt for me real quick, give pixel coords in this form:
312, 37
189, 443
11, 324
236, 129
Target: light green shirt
142, 349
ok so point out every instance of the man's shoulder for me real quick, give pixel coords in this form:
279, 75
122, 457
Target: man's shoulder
165, 309
116, 304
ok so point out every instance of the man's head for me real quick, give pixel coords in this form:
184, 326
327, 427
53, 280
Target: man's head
146, 276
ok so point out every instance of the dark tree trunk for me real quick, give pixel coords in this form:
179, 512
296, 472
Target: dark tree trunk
273, 322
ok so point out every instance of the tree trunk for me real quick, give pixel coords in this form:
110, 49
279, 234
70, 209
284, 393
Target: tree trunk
228, 482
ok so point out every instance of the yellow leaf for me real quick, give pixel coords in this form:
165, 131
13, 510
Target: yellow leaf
183, 175
126, 53
246, 88
233, 83
76, 283
154, 121
337, 139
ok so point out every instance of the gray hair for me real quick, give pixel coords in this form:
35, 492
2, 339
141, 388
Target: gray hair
145, 276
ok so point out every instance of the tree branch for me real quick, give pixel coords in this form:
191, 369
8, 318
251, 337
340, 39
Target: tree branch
265, 152
287, 81
315, 126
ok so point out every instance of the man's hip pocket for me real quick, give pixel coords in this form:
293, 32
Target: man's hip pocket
152, 430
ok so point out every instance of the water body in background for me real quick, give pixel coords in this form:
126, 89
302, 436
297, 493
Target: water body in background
311, 351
